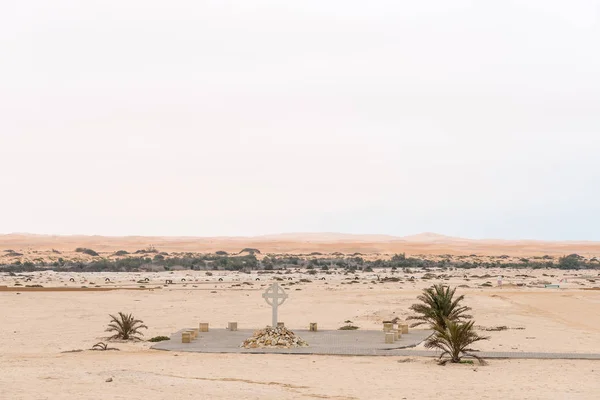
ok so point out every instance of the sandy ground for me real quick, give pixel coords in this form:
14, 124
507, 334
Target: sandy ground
37, 327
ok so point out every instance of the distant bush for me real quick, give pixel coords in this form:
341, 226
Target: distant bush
84, 250
121, 253
250, 250
571, 261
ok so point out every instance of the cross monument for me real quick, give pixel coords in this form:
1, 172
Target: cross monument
272, 296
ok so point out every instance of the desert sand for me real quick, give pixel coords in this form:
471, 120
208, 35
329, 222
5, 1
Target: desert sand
42, 332
425, 244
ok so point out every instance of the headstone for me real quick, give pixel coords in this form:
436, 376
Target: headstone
281, 325
389, 337
313, 327
203, 326
388, 326
274, 296
232, 326
186, 337
403, 328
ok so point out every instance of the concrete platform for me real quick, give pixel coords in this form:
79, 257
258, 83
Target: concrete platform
333, 342
344, 343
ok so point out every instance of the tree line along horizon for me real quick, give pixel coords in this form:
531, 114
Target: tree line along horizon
246, 260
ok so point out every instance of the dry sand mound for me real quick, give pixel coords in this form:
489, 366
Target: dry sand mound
274, 338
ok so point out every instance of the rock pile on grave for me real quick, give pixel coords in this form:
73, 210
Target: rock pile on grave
278, 337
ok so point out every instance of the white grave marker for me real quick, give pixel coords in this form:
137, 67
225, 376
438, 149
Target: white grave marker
272, 296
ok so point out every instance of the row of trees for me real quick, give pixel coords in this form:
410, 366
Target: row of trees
224, 261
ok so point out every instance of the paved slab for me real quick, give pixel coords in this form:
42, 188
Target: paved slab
348, 343
357, 342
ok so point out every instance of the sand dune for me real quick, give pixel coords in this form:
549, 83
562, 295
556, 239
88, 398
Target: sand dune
426, 243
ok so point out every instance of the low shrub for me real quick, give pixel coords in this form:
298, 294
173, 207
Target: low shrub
348, 328
159, 339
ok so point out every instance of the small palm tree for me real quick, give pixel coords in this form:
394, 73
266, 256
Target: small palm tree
438, 305
453, 340
126, 327
101, 346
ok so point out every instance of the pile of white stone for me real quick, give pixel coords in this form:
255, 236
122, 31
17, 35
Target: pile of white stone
279, 337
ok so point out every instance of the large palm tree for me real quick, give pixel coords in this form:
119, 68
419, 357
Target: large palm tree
453, 340
126, 327
437, 306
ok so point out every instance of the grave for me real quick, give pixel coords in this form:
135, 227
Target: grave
335, 342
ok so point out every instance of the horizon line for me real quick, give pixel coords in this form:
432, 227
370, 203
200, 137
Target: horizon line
432, 235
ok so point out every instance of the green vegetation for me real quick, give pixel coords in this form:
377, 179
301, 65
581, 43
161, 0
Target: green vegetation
348, 326
150, 259
453, 331
572, 261
437, 306
159, 339
454, 340
126, 327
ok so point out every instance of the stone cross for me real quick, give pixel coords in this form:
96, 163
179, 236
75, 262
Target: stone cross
272, 296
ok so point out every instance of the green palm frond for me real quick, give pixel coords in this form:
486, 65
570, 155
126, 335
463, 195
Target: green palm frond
437, 305
454, 340
126, 327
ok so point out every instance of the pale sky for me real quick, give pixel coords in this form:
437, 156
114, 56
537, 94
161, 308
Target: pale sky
478, 119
